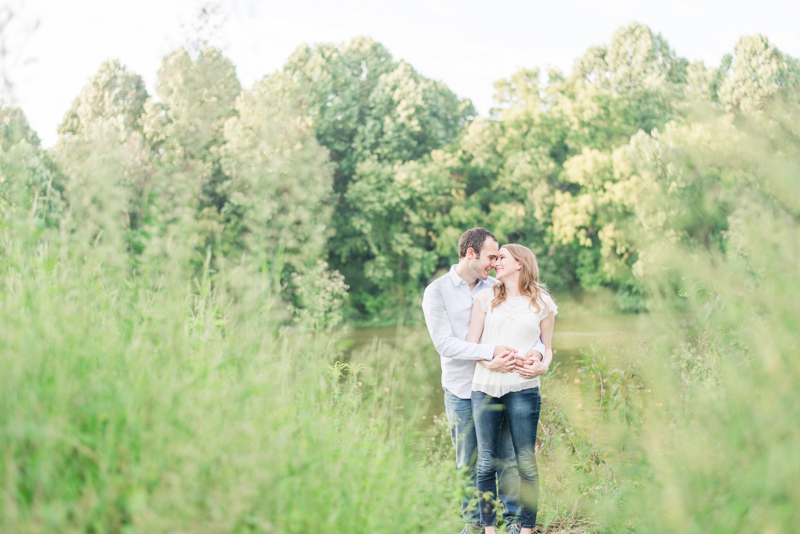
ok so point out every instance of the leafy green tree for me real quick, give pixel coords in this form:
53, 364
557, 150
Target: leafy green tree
102, 154
395, 208
755, 72
113, 91
186, 133
199, 95
700, 84
278, 180
335, 83
108, 175
29, 185
634, 83
550, 169
350, 157
597, 220
362, 103
14, 128
409, 116
372, 114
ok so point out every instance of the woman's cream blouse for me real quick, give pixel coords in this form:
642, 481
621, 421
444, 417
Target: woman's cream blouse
514, 323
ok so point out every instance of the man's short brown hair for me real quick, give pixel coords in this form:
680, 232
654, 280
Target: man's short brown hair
474, 239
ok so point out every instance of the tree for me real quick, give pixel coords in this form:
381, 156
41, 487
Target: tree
278, 183
199, 95
371, 113
409, 115
14, 128
113, 91
396, 207
334, 82
755, 72
186, 132
29, 185
550, 171
102, 154
700, 84
634, 83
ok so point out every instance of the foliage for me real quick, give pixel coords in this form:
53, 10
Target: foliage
321, 295
756, 72
113, 92
186, 130
220, 169
349, 156
277, 184
374, 115
30, 185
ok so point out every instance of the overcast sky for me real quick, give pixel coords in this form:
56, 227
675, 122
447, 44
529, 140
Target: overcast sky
467, 44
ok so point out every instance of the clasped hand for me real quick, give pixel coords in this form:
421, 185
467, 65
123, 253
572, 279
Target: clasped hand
531, 365
507, 360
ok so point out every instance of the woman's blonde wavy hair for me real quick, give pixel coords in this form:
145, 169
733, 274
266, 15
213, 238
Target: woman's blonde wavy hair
529, 284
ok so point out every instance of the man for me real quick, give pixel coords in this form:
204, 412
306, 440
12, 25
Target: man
447, 305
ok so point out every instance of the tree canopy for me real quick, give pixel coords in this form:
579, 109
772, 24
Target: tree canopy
349, 156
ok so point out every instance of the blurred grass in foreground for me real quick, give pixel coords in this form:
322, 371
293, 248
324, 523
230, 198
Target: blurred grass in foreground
163, 403
717, 448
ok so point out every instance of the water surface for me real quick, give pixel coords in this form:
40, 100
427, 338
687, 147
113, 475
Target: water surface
574, 337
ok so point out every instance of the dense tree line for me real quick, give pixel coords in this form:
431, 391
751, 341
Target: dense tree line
349, 160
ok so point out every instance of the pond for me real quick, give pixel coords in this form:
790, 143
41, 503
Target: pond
574, 335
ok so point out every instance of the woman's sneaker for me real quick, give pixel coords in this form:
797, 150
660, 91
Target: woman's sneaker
514, 528
472, 529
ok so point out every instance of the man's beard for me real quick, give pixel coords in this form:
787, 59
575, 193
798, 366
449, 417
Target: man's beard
481, 272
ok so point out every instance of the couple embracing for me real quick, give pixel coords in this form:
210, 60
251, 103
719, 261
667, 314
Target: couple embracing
494, 339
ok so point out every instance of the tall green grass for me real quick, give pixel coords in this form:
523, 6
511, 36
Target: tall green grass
168, 402
714, 448
724, 448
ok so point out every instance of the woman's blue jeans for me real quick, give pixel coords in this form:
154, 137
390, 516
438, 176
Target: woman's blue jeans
462, 431
520, 411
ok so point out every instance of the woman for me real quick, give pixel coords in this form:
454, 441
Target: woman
514, 313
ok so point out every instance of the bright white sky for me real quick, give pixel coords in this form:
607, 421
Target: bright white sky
466, 43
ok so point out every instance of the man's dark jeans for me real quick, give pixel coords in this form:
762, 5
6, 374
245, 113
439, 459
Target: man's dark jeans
462, 432
519, 412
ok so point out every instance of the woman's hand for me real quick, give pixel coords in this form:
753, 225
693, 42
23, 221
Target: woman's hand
532, 370
532, 365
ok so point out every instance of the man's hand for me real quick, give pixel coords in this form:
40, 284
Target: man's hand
504, 360
502, 349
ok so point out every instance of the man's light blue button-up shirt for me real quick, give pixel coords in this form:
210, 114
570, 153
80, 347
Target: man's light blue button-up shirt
447, 305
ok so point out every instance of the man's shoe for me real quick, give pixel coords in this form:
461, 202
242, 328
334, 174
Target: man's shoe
514, 528
471, 528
